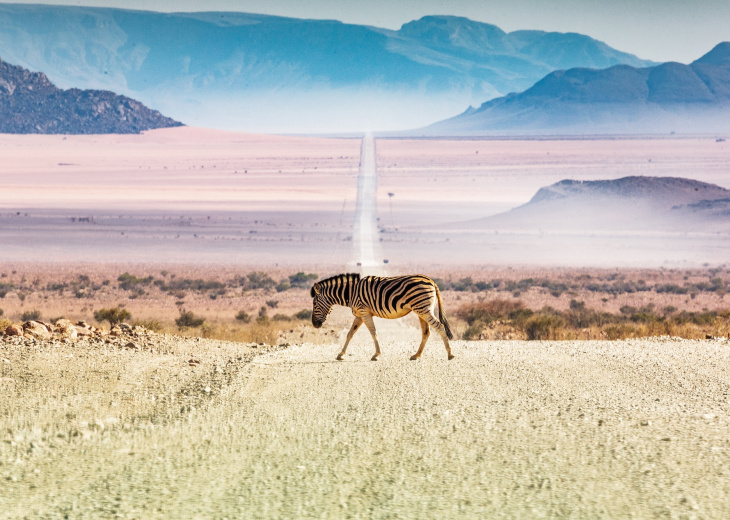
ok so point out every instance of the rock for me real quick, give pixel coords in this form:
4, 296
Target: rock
33, 104
132, 345
116, 331
82, 331
63, 323
14, 330
66, 329
36, 329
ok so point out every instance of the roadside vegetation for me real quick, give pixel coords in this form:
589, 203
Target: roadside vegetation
510, 319
275, 307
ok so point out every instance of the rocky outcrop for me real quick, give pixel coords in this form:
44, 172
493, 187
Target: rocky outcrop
31, 104
14, 330
37, 330
65, 331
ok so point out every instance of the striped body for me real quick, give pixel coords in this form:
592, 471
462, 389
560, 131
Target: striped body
384, 297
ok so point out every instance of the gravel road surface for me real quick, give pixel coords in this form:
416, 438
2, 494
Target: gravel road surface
509, 429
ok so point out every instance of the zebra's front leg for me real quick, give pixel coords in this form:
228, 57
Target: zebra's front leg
355, 325
370, 324
425, 334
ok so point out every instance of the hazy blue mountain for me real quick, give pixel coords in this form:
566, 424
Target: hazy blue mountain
269, 73
30, 104
670, 204
670, 97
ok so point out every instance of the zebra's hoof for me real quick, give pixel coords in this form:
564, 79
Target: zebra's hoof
339, 358
414, 357
374, 358
451, 356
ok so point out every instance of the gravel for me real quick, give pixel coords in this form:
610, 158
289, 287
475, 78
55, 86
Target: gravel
508, 429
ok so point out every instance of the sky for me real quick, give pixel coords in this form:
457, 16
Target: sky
659, 30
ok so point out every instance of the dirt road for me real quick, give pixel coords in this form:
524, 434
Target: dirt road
633, 429
368, 257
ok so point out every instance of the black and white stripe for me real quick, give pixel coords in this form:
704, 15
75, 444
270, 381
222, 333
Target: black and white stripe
384, 297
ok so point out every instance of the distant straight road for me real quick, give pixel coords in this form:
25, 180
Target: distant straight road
365, 240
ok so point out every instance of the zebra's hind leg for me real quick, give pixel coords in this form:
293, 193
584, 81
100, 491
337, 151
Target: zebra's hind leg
355, 325
436, 324
370, 324
425, 334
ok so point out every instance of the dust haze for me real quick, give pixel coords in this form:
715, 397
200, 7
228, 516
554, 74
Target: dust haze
196, 195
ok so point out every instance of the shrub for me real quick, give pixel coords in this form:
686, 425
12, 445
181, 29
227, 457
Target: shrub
304, 314
153, 325
542, 326
257, 280
2, 312
188, 284
5, 323
5, 288
243, 317
263, 317
188, 320
272, 303
671, 288
619, 331
473, 331
113, 315
34, 315
281, 317
302, 280
488, 311
129, 282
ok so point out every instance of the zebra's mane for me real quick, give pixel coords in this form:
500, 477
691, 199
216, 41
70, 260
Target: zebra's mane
351, 276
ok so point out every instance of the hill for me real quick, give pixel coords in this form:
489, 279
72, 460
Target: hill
651, 204
264, 73
665, 98
31, 104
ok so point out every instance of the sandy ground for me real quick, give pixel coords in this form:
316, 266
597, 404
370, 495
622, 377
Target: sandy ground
196, 195
180, 195
635, 429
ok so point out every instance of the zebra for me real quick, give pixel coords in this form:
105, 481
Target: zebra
384, 297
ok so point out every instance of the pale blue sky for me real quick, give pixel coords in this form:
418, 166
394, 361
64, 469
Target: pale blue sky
660, 30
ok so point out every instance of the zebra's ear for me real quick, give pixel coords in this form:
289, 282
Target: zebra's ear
315, 290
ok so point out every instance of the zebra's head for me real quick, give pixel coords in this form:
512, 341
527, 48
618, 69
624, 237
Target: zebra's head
321, 305
336, 290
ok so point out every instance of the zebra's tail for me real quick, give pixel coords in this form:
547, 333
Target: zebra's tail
442, 316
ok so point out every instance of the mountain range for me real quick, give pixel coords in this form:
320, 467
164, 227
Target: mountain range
31, 104
272, 74
665, 98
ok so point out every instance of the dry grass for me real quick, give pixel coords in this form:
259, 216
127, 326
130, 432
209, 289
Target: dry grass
509, 319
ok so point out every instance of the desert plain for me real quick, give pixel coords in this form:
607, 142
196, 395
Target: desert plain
608, 414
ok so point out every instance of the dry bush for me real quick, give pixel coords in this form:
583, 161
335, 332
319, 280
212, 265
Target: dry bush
488, 311
153, 325
33, 315
543, 326
5, 323
498, 319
